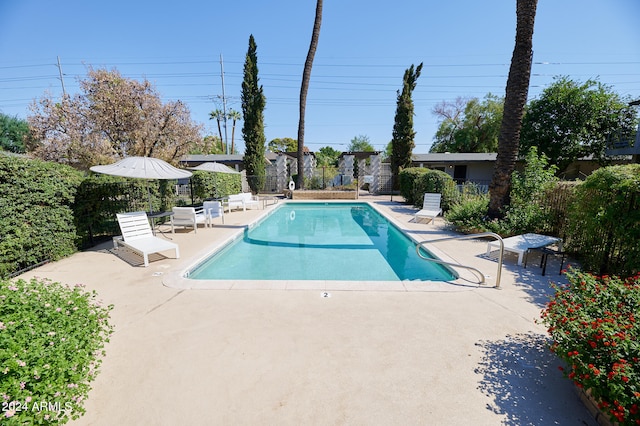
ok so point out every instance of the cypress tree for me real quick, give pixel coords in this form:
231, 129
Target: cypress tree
253, 103
402, 142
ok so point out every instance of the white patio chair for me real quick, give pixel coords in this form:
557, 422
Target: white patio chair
430, 208
213, 209
187, 216
243, 199
138, 237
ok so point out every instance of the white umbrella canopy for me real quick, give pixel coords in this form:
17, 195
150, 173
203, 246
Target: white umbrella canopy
214, 167
142, 168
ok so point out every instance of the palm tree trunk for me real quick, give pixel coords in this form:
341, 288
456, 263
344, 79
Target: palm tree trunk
220, 133
233, 133
514, 103
306, 76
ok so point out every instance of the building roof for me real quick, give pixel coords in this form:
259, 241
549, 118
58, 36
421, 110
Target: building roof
451, 157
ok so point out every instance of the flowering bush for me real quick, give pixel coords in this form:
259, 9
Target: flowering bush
51, 343
592, 321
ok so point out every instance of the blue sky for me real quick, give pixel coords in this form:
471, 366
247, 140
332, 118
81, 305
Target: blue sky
363, 51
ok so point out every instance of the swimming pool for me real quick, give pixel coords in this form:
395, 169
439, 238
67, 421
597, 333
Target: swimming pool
321, 241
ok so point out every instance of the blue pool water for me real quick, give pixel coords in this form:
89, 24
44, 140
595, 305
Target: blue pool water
321, 241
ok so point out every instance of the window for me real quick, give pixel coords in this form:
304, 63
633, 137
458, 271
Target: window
460, 174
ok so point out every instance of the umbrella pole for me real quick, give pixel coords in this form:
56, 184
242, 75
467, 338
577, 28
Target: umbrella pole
149, 193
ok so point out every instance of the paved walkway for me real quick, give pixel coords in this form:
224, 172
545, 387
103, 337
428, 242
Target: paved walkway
453, 355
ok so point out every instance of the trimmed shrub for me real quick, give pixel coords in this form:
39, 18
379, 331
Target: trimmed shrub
406, 182
604, 221
416, 181
438, 182
36, 216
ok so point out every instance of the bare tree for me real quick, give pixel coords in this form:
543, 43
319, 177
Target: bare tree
114, 117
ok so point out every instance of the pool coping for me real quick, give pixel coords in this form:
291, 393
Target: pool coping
176, 277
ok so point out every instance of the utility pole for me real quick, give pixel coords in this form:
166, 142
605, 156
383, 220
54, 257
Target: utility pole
224, 106
64, 92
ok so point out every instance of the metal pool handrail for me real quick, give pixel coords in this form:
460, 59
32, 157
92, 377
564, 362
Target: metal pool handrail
459, 265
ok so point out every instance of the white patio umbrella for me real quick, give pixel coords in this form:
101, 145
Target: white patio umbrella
143, 168
214, 167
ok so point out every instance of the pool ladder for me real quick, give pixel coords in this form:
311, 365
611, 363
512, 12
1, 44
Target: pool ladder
459, 265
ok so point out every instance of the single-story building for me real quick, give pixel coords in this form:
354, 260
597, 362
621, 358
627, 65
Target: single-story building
462, 167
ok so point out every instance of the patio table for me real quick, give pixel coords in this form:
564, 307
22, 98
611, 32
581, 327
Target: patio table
520, 244
156, 215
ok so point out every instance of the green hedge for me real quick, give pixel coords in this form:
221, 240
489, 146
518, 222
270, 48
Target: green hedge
207, 185
604, 221
100, 197
416, 181
36, 216
49, 210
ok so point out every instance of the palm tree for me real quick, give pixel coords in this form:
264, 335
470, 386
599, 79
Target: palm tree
218, 115
306, 76
234, 116
514, 103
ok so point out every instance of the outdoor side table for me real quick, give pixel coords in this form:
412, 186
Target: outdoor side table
156, 215
268, 200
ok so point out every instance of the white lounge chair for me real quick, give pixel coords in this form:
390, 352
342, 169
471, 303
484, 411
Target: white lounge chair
430, 208
213, 209
243, 199
187, 216
520, 244
137, 236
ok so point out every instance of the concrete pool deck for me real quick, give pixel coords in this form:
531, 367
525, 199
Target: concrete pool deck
454, 355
